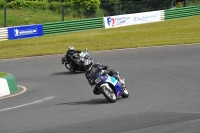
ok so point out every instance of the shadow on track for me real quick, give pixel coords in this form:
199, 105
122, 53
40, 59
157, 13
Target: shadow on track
90, 102
67, 73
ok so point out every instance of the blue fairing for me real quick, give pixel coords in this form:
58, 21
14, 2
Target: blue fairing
98, 75
112, 79
117, 86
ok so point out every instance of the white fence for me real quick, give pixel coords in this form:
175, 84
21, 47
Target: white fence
3, 34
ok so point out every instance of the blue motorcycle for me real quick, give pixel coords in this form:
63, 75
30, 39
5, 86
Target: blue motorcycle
109, 86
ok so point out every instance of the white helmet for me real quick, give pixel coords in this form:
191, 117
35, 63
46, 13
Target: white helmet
88, 64
71, 49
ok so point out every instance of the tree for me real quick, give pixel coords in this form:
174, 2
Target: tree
116, 7
111, 7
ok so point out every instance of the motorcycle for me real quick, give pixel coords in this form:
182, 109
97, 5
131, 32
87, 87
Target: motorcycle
78, 61
108, 85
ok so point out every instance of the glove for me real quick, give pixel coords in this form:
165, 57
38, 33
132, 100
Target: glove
106, 67
117, 73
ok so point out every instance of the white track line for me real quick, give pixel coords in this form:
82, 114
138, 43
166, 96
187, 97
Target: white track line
31, 103
24, 89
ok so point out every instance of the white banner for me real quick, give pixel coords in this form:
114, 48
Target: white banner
148, 17
4, 89
131, 19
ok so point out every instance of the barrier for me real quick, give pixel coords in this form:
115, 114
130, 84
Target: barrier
25, 31
7, 85
3, 34
162, 15
73, 25
182, 12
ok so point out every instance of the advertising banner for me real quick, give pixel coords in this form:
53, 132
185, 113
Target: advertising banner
131, 19
27, 31
147, 17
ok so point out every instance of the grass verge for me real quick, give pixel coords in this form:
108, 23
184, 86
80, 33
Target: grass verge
25, 16
170, 32
2, 74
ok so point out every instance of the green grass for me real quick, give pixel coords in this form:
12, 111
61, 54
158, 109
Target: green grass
170, 32
16, 17
2, 74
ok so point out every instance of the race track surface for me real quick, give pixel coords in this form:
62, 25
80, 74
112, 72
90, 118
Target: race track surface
163, 82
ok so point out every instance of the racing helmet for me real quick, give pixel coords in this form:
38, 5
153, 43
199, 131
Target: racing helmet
88, 64
71, 49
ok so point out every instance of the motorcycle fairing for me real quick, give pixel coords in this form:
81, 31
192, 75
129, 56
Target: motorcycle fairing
101, 78
116, 84
111, 80
82, 54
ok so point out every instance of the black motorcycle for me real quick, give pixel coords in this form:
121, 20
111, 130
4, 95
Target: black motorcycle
77, 61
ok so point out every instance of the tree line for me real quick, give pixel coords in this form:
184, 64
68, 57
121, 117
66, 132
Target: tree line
94, 7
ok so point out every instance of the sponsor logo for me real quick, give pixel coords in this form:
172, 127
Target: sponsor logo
18, 32
115, 21
111, 21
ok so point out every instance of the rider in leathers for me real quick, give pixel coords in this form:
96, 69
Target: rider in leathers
68, 57
91, 66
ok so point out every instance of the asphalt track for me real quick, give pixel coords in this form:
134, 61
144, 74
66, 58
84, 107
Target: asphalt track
163, 82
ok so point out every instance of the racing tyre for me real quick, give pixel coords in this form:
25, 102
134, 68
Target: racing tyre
72, 68
125, 94
67, 66
109, 94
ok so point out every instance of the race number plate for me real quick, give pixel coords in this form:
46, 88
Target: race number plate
98, 80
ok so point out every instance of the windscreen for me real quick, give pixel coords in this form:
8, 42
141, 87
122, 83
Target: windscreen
95, 73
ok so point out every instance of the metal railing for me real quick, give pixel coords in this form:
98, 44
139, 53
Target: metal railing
182, 12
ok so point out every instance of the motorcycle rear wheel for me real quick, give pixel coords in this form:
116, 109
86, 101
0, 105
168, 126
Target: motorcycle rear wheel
109, 94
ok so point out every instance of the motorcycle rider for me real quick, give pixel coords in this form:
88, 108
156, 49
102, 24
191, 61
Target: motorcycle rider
68, 57
90, 66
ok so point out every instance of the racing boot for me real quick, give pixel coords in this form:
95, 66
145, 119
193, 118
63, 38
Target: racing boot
96, 90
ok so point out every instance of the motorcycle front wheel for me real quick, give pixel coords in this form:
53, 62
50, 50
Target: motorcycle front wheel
67, 66
109, 94
72, 68
125, 93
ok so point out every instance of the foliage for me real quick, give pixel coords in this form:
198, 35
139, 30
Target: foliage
83, 7
115, 7
55, 6
86, 7
2, 3
17, 4
179, 4
193, 2
110, 7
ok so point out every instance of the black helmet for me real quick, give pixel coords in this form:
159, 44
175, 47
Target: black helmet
88, 64
71, 49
